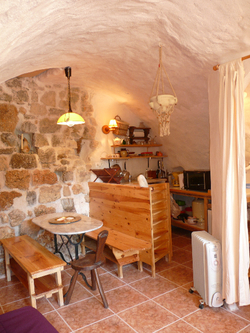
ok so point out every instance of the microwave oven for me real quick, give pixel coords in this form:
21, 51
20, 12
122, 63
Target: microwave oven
197, 180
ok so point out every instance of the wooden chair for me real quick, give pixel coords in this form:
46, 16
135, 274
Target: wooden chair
90, 262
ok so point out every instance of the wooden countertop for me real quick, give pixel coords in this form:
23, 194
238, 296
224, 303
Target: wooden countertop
200, 194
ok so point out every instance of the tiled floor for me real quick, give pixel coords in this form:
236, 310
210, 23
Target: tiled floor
137, 303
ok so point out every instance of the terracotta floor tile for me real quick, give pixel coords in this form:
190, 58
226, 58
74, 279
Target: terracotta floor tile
110, 325
83, 313
181, 256
246, 330
189, 264
161, 265
109, 266
179, 301
180, 274
55, 320
5, 283
42, 304
108, 281
123, 298
137, 303
79, 293
243, 311
216, 320
152, 287
188, 247
179, 327
176, 232
147, 317
181, 242
13, 293
131, 273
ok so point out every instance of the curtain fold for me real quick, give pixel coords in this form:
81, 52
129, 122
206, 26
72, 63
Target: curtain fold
228, 180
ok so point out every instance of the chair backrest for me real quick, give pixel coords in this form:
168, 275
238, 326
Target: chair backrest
101, 240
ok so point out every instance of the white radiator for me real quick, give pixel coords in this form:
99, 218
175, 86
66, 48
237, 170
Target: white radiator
207, 267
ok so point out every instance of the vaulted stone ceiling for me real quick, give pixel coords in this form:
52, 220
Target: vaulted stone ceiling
113, 48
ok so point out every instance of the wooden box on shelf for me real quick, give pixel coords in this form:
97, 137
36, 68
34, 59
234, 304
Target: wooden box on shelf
145, 133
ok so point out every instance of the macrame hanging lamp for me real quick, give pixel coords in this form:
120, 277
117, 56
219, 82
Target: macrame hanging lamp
162, 103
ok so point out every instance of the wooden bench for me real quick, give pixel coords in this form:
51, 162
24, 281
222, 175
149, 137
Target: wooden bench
38, 269
120, 248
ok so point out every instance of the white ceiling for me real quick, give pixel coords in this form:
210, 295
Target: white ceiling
113, 47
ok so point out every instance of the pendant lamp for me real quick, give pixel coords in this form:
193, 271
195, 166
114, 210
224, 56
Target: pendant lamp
70, 118
162, 103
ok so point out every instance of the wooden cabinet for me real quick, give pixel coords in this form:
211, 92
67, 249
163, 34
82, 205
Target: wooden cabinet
206, 196
140, 212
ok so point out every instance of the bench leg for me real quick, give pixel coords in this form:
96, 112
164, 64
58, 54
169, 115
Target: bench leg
32, 291
140, 266
7, 265
120, 272
153, 270
60, 291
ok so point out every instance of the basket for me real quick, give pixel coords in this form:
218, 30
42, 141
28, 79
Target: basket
122, 127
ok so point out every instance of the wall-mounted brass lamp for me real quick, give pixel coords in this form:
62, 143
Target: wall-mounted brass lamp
110, 127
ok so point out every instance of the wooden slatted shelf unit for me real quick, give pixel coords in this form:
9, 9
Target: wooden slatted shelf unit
140, 212
206, 196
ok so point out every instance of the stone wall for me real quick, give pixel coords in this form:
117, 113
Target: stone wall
51, 172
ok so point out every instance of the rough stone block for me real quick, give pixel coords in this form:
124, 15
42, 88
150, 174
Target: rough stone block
7, 151
7, 199
6, 232
4, 218
29, 228
18, 179
25, 161
42, 210
66, 191
31, 198
49, 193
68, 204
65, 162
77, 189
16, 217
14, 83
21, 96
9, 118
56, 112
58, 141
38, 109
28, 127
47, 156
47, 125
67, 176
49, 98
82, 175
39, 140
41, 177
10, 139
5, 97
3, 163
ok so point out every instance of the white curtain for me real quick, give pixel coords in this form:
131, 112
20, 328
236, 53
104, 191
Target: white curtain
227, 160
